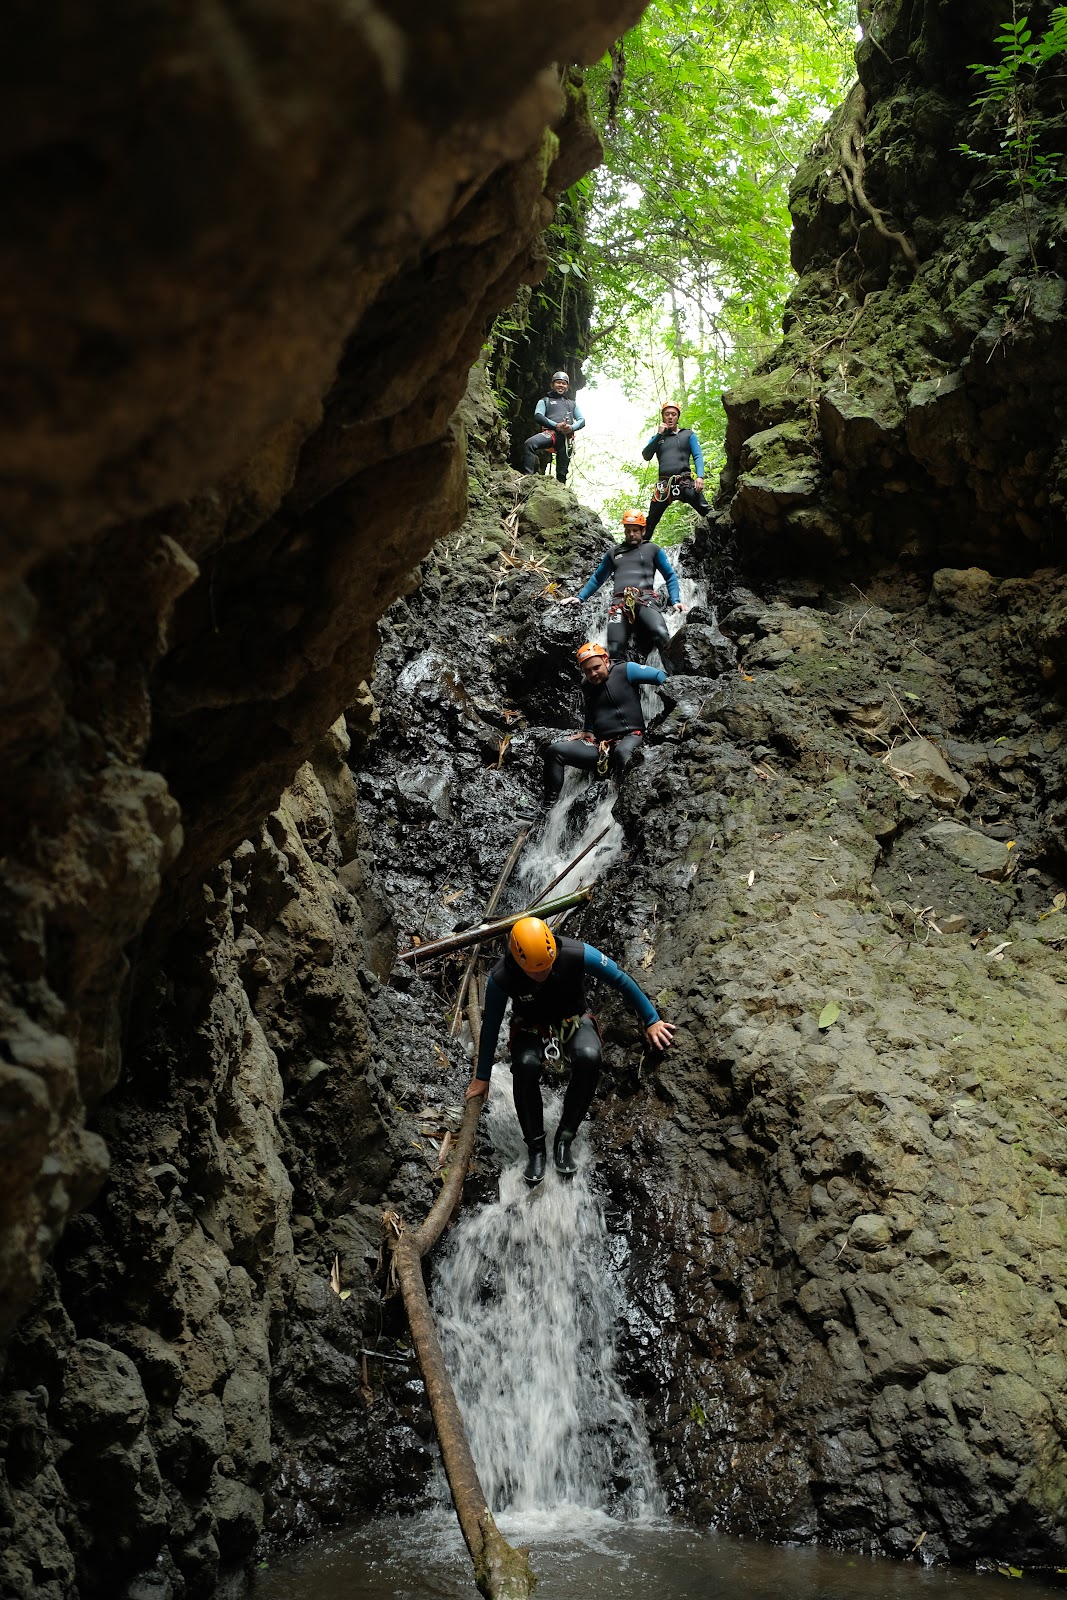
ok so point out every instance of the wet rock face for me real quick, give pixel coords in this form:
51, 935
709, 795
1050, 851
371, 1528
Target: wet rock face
242, 315
847, 1316
913, 407
833, 1204
190, 1378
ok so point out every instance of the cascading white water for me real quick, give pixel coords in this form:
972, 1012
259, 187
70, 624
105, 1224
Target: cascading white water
525, 1300
568, 829
526, 1307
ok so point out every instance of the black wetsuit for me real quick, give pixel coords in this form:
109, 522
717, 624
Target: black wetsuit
555, 408
675, 455
634, 567
538, 1008
613, 715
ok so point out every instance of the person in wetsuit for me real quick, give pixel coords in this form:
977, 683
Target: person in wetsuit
614, 720
544, 978
560, 418
681, 467
632, 567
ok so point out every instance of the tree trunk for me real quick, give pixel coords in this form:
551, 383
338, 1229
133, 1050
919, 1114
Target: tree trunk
501, 1572
489, 930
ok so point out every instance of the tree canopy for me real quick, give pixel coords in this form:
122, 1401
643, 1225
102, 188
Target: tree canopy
706, 106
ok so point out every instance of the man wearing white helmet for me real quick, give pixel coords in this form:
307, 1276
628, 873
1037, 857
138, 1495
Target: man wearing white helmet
560, 418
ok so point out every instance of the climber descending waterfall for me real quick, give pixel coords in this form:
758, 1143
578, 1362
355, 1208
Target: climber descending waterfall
634, 615
614, 721
526, 1306
545, 979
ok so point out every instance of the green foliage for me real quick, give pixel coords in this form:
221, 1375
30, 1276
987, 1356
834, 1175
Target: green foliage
689, 226
1009, 102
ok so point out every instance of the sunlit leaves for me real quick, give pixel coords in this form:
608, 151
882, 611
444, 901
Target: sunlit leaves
689, 225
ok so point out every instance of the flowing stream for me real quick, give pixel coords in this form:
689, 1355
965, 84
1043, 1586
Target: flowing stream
526, 1307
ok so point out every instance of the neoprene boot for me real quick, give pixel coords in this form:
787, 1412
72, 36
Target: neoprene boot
566, 1165
536, 1162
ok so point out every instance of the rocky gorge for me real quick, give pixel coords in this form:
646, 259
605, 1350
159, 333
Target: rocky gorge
838, 1204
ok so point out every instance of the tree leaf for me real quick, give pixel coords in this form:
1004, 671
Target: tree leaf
829, 1014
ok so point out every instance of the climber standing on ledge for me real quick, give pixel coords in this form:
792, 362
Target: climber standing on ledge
632, 566
544, 978
679, 454
560, 418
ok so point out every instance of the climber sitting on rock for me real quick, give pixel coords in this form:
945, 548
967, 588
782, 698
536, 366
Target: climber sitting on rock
681, 467
614, 722
632, 566
544, 978
560, 418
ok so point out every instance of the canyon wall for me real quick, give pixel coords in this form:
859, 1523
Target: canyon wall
242, 314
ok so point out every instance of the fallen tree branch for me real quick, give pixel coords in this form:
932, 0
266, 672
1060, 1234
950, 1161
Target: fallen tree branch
572, 864
489, 930
501, 1571
491, 905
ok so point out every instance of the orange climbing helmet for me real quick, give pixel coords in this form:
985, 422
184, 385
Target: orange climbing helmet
633, 519
671, 405
532, 945
586, 652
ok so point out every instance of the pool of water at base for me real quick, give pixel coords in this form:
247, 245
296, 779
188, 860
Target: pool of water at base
585, 1555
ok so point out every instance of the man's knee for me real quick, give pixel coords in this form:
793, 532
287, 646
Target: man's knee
585, 1052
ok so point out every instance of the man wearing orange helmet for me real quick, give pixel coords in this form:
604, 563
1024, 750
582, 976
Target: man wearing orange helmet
681, 467
544, 977
632, 567
614, 720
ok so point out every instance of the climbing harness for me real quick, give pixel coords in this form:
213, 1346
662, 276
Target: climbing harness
548, 451
630, 600
671, 488
558, 1034
606, 746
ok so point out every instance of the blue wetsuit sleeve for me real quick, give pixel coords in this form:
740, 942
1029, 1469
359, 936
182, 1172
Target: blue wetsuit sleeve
664, 566
579, 420
640, 674
598, 965
539, 416
650, 448
492, 1016
697, 453
601, 575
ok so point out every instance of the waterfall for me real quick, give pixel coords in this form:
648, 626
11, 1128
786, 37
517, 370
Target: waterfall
576, 820
524, 1298
526, 1307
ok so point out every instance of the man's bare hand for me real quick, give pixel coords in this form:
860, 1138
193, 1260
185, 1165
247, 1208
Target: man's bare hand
570, 600
698, 485
476, 1087
678, 606
660, 1035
